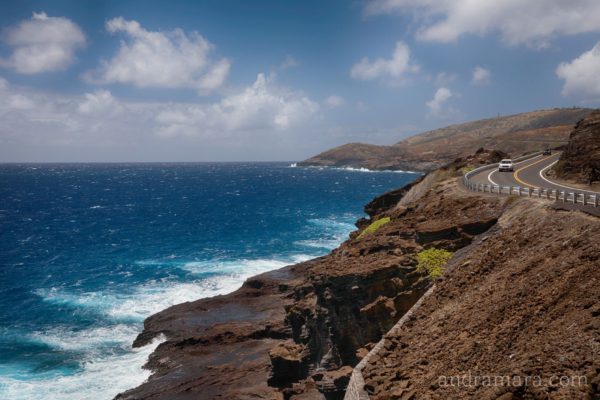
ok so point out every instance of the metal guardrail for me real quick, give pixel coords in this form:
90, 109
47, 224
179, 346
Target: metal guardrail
565, 196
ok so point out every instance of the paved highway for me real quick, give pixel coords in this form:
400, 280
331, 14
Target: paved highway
527, 174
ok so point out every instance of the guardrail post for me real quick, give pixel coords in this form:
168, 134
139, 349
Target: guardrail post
595, 200
584, 199
555, 194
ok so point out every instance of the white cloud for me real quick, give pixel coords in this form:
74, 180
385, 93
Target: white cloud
260, 107
334, 101
481, 76
43, 44
532, 22
394, 68
289, 62
99, 118
581, 74
436, 105
101, 103
161, 59
444, 79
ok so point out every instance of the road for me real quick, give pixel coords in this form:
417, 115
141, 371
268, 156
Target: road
527, 174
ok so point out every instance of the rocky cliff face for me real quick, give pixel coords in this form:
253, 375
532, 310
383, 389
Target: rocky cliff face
580, 161
516, 317
513, 134
297, 332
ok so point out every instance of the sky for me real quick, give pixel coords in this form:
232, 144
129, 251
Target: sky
128, 81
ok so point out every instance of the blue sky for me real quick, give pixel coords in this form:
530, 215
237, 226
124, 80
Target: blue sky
277, 80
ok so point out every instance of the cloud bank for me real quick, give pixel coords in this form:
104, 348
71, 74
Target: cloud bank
100, 119
531, 22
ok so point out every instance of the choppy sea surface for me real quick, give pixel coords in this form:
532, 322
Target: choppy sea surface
87, 251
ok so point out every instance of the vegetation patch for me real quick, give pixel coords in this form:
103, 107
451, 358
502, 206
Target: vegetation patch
374, 226
467, 169
432, 262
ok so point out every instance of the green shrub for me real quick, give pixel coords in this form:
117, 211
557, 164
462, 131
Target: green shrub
374, 226
432, 262
467, 169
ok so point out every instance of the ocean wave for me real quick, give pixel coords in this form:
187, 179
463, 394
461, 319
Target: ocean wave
360, 169
66, 339
333, 224
154, 296
327, 244
99, 378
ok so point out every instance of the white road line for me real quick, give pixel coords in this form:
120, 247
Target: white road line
489, 177
558, 184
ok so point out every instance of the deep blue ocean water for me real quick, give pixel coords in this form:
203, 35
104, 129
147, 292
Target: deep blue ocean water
87, 251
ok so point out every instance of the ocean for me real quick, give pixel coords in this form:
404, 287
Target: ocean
87, 251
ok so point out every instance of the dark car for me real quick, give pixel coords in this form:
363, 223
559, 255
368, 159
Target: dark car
547, 152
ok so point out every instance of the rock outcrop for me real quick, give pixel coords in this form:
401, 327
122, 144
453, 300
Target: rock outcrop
580, 161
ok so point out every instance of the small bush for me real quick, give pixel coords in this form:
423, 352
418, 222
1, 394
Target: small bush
467, 169
374, 226
432, 262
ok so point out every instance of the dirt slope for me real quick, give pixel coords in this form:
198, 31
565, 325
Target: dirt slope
524, 303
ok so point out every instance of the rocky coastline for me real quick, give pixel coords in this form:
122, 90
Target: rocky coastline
298, 331
519, 297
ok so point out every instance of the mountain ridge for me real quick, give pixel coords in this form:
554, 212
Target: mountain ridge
516, 134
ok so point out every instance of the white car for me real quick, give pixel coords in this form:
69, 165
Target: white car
506, 165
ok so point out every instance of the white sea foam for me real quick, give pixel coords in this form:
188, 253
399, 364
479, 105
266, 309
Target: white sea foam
99, 378
328, 244
109, 364
88, 339
362, 169
155, 296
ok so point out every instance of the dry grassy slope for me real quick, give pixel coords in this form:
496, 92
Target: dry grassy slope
514, 134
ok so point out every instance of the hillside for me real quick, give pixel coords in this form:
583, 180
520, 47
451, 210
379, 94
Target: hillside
518, 133
580, 162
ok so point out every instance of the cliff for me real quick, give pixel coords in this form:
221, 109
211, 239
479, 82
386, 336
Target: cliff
513, 134
580, 161
519, 297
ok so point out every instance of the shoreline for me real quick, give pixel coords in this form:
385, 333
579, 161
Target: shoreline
231, 320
